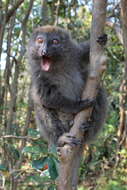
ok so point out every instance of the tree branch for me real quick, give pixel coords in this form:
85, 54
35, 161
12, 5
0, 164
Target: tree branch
122, 130
12, 11
69, 161
19, 137
25, 20
44, 12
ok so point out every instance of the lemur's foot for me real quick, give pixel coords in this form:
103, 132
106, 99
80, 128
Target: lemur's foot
102, 40
86, 126
68, 139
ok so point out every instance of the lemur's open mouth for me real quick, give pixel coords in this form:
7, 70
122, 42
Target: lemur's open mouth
46, 63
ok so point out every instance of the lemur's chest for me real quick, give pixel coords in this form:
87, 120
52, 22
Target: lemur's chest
70, 84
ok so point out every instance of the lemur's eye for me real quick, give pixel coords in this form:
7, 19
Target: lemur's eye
39, 40
55, 41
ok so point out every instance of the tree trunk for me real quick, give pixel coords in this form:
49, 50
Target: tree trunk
70, 156
122, 131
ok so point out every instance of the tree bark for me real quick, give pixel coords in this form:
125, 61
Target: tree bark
44, 12
11, 12
57, 13
70, 156
122, 131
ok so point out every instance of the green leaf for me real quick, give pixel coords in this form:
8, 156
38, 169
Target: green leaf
52, 187
39, 164
33, 132
3, 167
32, 149
52, 168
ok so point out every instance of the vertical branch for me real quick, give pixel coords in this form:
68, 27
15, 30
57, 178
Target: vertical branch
70, 156
14, 86
8, 76
122, 131
57, 13
2, 30
44, 12
3, 14
14, 91
24, 23
29, 109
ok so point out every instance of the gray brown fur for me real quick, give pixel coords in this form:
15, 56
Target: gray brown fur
56, 94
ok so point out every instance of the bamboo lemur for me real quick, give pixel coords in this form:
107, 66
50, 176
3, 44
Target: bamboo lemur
59, 70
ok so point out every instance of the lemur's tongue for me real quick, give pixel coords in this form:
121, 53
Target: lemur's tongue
46, 63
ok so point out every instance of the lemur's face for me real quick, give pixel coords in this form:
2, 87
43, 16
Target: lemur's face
48, 44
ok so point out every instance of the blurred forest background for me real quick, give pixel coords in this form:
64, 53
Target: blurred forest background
25, 163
